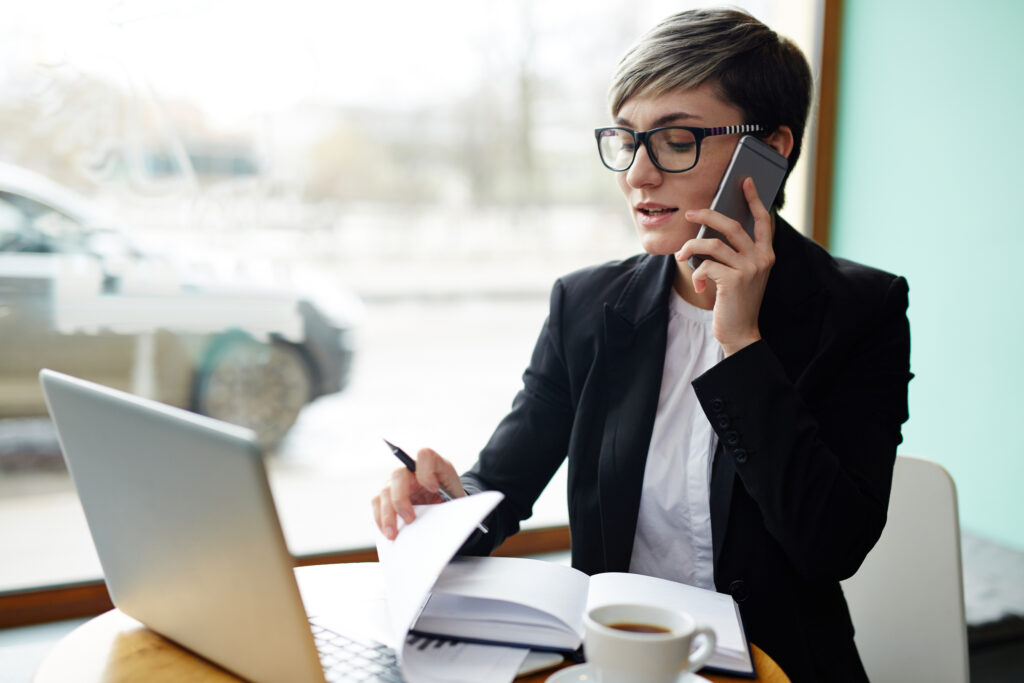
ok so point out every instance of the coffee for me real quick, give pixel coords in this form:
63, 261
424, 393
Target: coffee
639, 643
639, 628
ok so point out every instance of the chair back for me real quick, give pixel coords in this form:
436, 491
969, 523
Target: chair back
907, 599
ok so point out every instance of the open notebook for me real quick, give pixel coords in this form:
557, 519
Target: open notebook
540, 604
525, 602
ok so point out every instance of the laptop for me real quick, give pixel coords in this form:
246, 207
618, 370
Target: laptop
186, 531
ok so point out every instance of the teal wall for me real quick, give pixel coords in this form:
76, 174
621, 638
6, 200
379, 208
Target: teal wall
930, 184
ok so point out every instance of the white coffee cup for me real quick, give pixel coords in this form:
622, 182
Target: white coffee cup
620, 653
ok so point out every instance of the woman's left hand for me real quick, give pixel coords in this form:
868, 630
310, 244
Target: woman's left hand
739, 272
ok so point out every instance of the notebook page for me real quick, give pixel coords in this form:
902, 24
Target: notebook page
412, 562
545, 588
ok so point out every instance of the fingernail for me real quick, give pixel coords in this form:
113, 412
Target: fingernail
389, 532
691, 214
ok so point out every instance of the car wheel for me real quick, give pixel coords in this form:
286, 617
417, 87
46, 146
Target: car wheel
258, 385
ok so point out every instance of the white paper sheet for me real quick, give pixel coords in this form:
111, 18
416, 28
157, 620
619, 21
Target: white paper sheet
413, 561
462, 663
411, 565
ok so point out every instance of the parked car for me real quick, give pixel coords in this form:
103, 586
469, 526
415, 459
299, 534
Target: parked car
78, 296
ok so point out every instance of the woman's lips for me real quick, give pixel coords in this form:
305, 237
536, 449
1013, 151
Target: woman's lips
651, 215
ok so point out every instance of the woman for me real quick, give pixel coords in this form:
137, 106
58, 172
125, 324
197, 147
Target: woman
734, 426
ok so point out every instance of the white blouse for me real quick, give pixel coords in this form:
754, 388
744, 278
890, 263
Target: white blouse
673, 531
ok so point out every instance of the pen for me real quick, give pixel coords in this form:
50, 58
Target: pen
410, 465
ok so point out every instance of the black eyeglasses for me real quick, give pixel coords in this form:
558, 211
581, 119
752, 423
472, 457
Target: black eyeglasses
673, 149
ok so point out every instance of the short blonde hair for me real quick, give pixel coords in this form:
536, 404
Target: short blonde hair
763, 74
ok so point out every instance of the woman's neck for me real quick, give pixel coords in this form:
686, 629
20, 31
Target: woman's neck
684, 283
684, 287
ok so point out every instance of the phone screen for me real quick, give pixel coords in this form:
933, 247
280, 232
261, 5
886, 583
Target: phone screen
752, 159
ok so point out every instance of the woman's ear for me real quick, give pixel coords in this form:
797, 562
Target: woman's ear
782, 140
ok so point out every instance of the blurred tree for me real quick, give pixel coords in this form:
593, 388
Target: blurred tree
353, 163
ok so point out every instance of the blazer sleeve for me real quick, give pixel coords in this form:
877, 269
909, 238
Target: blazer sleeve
820, 474
531, 441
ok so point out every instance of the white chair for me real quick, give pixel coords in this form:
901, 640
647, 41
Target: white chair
907, 599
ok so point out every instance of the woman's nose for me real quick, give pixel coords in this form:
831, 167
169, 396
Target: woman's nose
643, 172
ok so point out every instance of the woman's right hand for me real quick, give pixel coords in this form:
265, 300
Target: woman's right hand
405, 489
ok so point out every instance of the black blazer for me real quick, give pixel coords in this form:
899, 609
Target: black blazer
808, 421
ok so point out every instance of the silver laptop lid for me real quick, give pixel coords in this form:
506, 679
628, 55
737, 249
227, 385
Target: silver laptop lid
185, 528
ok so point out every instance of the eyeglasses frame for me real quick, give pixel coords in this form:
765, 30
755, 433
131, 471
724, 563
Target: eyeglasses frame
643, 137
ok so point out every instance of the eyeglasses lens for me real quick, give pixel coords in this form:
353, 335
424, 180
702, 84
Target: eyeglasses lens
674, 149
617, 148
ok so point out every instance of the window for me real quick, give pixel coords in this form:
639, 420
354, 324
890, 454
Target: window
372, 199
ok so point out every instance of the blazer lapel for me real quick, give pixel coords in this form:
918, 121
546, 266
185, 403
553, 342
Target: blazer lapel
635, 329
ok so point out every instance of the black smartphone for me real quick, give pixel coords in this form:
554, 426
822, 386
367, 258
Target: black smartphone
752, 159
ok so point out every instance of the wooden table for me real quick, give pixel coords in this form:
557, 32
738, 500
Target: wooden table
114, 648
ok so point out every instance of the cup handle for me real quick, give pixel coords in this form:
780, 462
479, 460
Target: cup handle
706, 649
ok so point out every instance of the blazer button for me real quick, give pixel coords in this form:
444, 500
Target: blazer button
740, 455
717, 405
732, 437
723, 422
738, 590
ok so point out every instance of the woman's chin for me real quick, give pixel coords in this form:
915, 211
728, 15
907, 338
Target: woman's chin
661, 247
665, 241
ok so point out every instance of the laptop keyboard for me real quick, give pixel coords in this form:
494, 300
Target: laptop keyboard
346, 659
